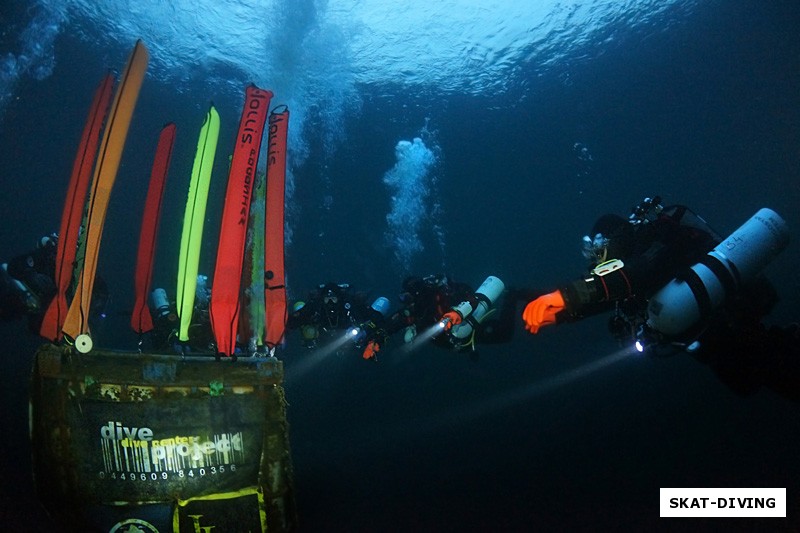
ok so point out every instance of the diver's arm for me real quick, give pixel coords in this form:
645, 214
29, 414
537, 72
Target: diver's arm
583, 297
594, 294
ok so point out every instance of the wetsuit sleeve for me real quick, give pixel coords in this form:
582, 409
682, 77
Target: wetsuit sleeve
594, 294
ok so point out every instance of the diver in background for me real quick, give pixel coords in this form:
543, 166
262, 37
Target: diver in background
166, 322
331, 307
465, 316
672, 282
424, 302
371, 332
27, 285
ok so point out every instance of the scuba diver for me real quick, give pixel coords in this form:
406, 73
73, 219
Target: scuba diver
673, 284
453, 315
371, 332
27, 285
166, 322
331, 307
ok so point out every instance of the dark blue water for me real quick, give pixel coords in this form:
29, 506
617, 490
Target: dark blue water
706, 114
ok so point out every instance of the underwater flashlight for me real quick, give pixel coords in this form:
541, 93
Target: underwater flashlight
645, 337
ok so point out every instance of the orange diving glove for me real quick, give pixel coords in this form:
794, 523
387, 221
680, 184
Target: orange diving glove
371, 350
542, 311
450, 318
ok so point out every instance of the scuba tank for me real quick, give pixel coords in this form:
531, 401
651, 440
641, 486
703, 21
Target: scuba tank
373, 326
159, 303
410, 333
485, 297
381, 305
691, 297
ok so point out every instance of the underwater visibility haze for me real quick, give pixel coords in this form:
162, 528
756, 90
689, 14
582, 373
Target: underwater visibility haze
471, 138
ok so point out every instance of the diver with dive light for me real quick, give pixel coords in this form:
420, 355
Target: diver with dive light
451, 314
331, 307
673, 284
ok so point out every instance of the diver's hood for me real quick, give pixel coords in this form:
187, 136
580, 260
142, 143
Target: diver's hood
612, 238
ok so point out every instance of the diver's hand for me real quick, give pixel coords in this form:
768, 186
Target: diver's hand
450, 319
542, 311
371, 350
